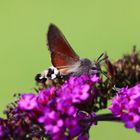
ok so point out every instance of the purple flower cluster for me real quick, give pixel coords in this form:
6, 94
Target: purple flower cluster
126, 105
56, 108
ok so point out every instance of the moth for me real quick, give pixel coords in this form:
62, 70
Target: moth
65, 59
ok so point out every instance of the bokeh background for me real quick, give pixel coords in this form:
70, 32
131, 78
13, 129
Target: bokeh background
91, 26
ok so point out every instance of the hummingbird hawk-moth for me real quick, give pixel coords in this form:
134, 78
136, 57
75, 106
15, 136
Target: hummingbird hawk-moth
64, 59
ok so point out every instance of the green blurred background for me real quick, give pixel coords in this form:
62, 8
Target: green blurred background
91, 26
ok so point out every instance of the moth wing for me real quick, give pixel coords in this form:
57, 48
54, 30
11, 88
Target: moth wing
61, 60
61, 52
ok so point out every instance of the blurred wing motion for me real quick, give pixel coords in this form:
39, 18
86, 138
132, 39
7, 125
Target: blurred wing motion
63, 56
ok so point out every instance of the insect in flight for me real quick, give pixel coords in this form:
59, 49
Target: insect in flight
64, 58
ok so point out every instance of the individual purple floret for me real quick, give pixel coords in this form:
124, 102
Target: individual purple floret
27, 101
126, 105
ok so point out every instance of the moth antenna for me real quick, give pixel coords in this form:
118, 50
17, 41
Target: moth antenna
106, 57
101, 58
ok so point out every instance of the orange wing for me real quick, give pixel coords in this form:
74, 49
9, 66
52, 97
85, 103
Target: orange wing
61, 52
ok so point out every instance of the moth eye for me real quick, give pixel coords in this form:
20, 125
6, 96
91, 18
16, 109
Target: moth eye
94, 68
